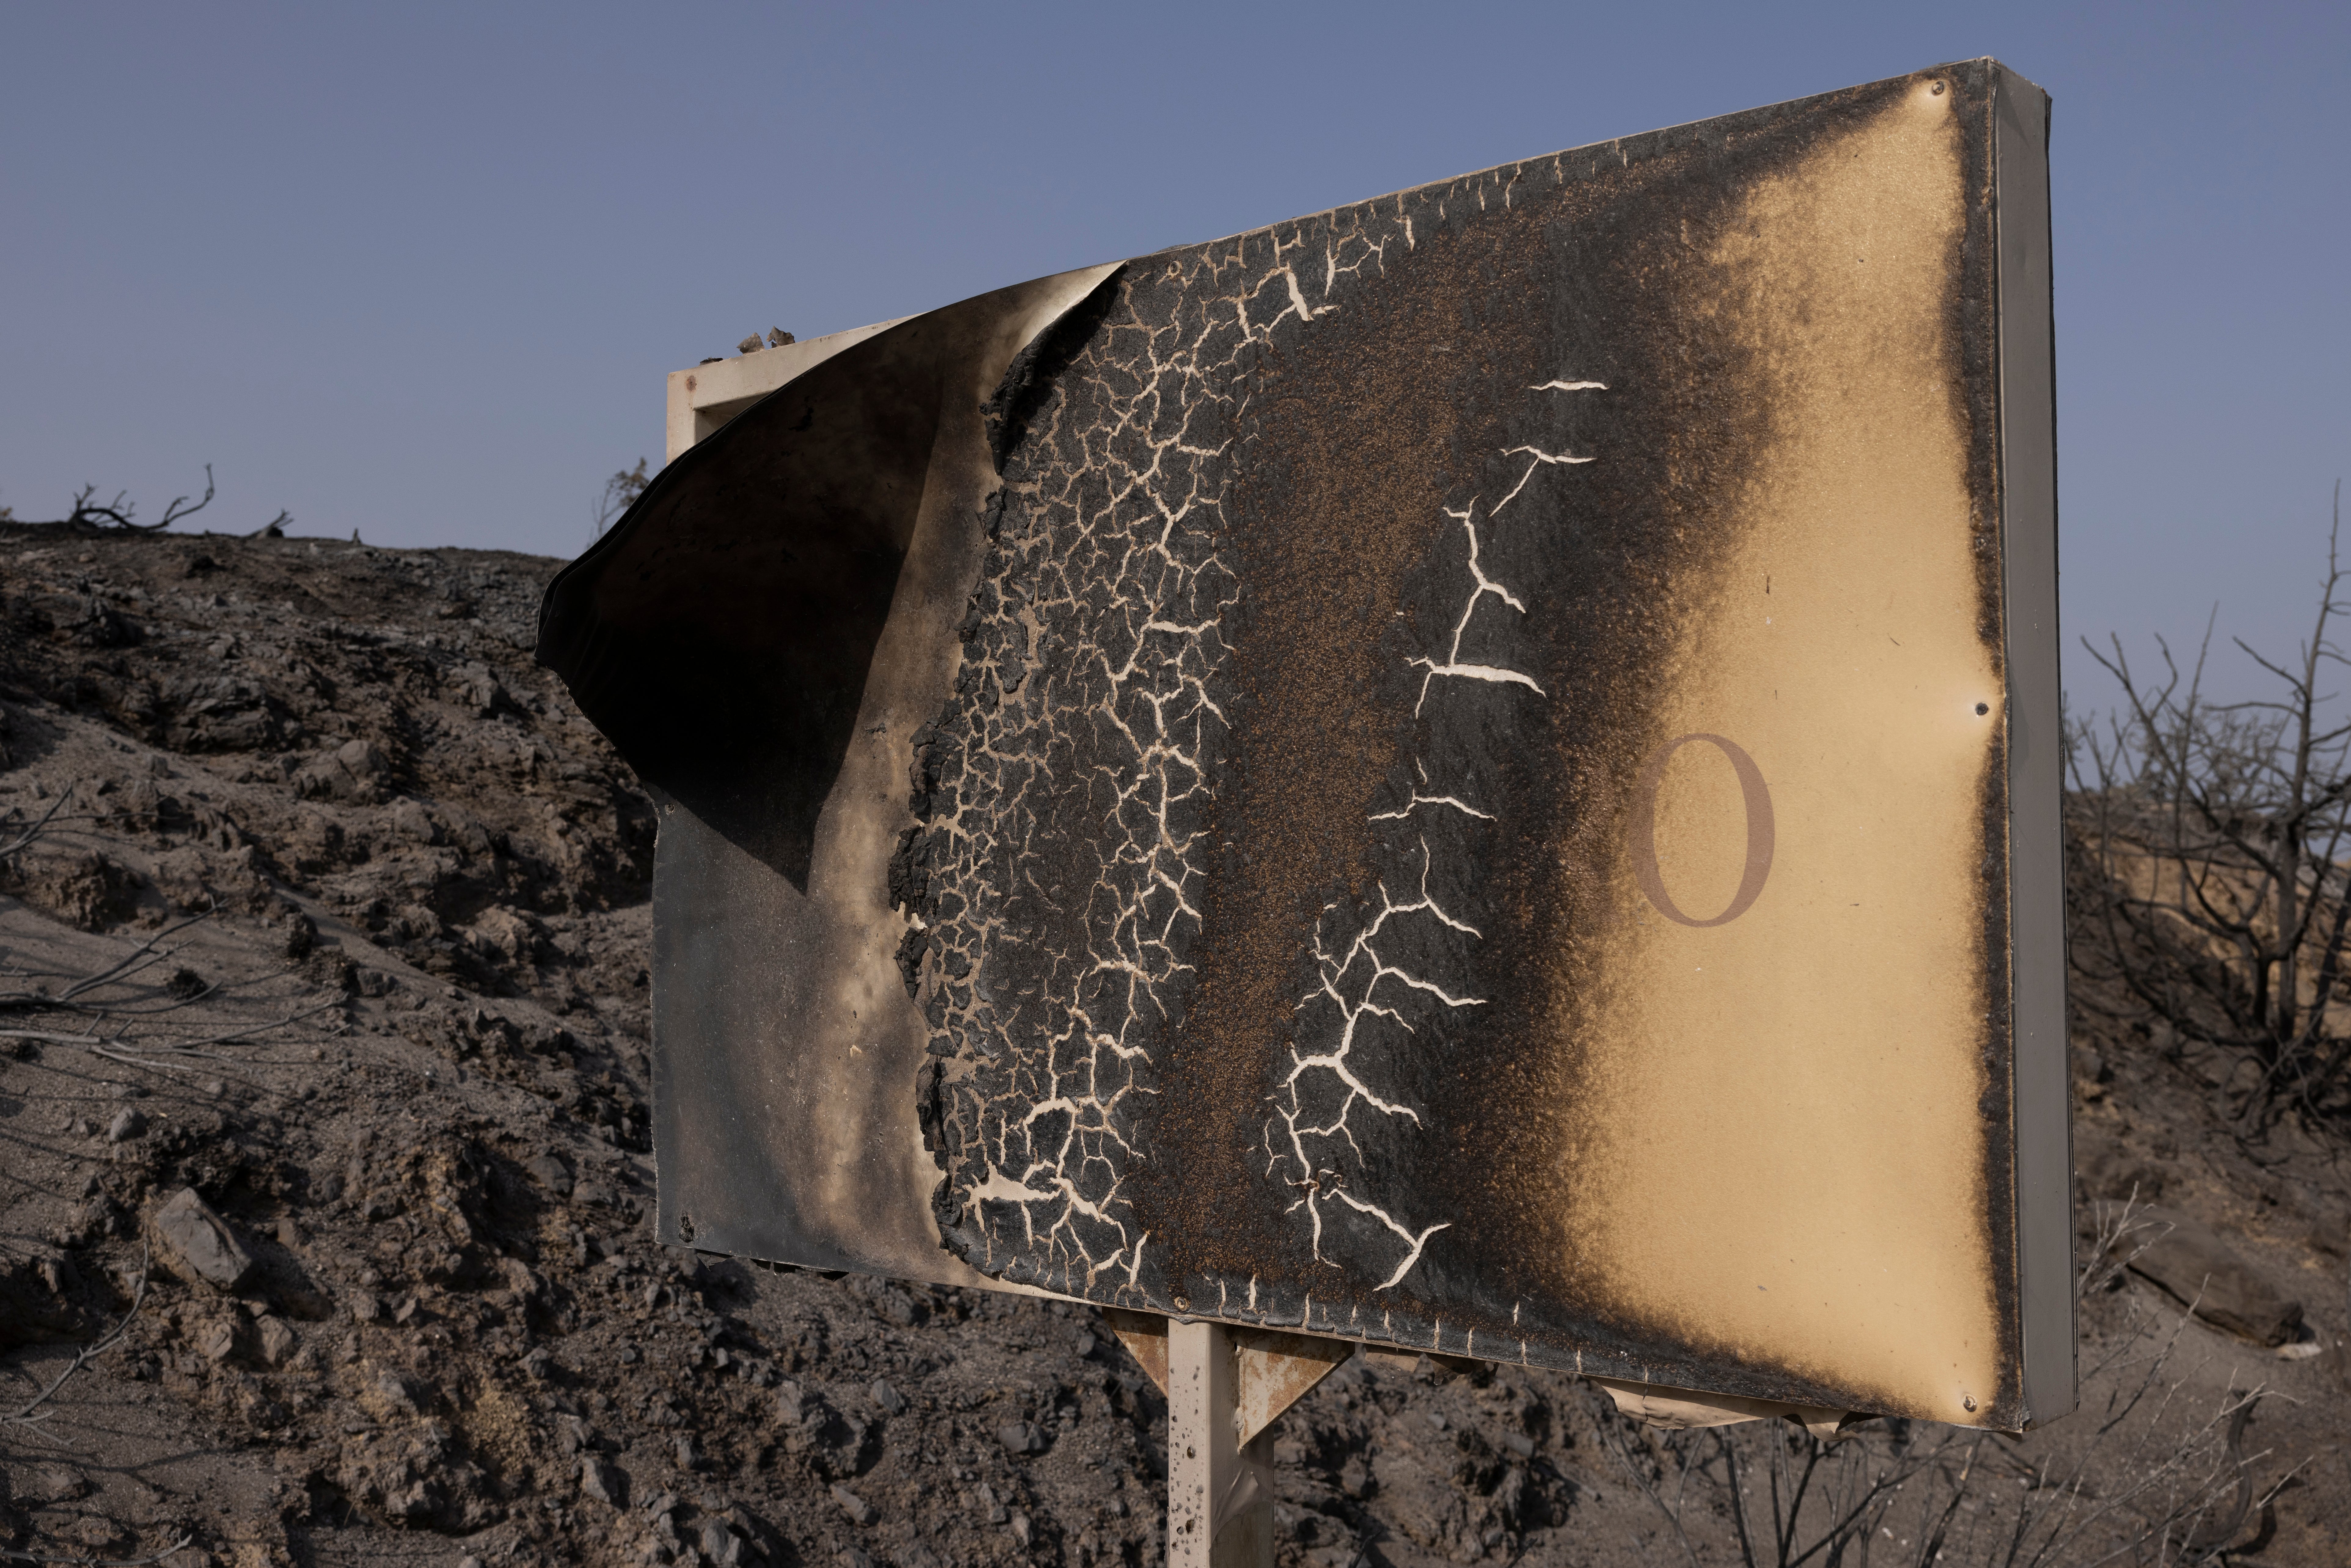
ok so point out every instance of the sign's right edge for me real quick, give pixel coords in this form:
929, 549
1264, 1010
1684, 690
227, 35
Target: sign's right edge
2036, 859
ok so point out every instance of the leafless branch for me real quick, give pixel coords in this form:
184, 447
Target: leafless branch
119, 513
33, 830
30, 1413
2144, 1478
619, 493
2114, 1226
1613, 1429
12, 1555
145, 956
2211, 847
119, 1047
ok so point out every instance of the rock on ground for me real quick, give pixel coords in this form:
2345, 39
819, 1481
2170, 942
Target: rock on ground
199, 1241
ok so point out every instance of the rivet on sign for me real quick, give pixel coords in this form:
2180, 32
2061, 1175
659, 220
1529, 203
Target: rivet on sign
1938, 92
1968, 1400
1983, 708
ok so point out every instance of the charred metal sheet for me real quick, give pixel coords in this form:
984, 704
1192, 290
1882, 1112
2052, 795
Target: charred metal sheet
761, 635
1455, 771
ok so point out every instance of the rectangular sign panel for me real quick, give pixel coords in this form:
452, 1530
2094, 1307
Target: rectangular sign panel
1475, 771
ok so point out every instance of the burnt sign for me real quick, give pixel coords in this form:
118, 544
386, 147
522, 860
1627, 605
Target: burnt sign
1476, 771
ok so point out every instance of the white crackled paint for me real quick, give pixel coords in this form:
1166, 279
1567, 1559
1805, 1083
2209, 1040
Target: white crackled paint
1089, 721
1088, 718
1311, 1139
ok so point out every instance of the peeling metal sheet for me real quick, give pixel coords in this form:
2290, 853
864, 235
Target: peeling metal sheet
1438, 774
761, 634
1679, 1409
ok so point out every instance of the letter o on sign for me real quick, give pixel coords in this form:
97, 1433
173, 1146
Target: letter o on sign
1644, 834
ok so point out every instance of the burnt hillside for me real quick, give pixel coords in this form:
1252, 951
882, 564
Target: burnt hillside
318, 899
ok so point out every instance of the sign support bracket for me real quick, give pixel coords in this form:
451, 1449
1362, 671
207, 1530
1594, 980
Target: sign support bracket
1224, 1385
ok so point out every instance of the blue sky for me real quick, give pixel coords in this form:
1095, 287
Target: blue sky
419, 270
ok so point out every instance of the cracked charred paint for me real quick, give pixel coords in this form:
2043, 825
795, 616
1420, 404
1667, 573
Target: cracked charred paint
1315, 624
1273, 913
1064, 794
1313, 1114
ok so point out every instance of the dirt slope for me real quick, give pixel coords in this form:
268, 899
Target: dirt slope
357, 906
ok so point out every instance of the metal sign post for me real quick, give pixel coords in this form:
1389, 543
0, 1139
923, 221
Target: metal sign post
1219, 1490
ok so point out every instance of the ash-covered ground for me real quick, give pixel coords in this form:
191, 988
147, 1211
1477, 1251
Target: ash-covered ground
321, 900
